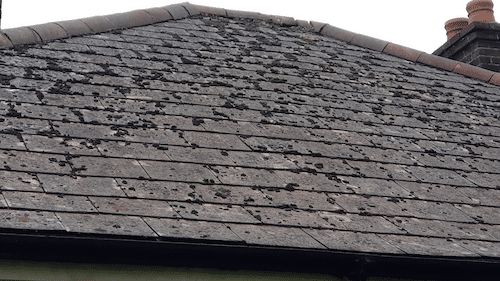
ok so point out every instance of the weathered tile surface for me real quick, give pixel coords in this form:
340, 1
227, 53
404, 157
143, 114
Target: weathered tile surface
247, 131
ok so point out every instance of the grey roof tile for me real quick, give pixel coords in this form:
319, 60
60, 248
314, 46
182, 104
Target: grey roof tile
17, 181
178, 171
275, 236
212, 212
110, 167
79, 185
16, 219
352, 241
48, 202
432, 246
135, 207
186, 229
105, 224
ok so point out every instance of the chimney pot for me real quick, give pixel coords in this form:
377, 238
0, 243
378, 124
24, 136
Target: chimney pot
454, 26
480, 10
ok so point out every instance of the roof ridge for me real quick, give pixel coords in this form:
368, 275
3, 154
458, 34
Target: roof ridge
9, 38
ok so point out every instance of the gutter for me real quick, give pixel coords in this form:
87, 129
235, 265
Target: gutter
134, 251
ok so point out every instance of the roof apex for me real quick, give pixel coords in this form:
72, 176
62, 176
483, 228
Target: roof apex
13, 37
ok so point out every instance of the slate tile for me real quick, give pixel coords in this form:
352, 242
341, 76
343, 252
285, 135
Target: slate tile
187, 229
286, 132
323, 165
287, 215
482, 248
397, 131
440, 192
386, 155
106, 117
433, 210
313, 181
488, 215
439, 176
275, 236
352, 241
375, 187
441, 161
480, 196
33, 162
199, 155
444, 147
31, 126
11, 142
59, 145
48, 202
134, 207
211, 212
164, 190
110, 167
274, 145
105, 224
261, 160
80, 185
178, 171
131, 150
355, 222
19, 182
428, 246
379, 170
231, 127
18, 95
482, 179
226, 194
213, 140
95, 90
483, 165
340, 136
438, 228
369, 205
29, 220
87, 131
332, 150
305, 200
161, 136
247, 176
45, 112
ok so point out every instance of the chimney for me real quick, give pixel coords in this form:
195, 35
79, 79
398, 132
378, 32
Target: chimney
454, 26
474, 40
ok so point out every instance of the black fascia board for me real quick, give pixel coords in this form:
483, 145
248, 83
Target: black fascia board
223, 256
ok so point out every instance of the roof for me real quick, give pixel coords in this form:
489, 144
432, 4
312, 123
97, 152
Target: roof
195, 124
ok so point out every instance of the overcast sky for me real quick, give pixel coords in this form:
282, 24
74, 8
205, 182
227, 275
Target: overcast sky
417, 24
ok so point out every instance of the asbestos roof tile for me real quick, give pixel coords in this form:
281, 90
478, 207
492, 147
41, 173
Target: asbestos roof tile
184, 229
48, 202
17, 181
353, 242
275, 236
433, 246
80, 185
16, 219
105, 224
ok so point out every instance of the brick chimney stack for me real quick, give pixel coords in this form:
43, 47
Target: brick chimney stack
474, 40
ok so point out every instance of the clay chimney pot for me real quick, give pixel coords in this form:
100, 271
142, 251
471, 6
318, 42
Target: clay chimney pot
454, 26
480, 10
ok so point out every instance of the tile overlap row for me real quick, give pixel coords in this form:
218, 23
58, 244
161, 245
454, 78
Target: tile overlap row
248, 131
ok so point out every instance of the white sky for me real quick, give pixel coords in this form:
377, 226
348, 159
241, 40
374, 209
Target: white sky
417, 24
